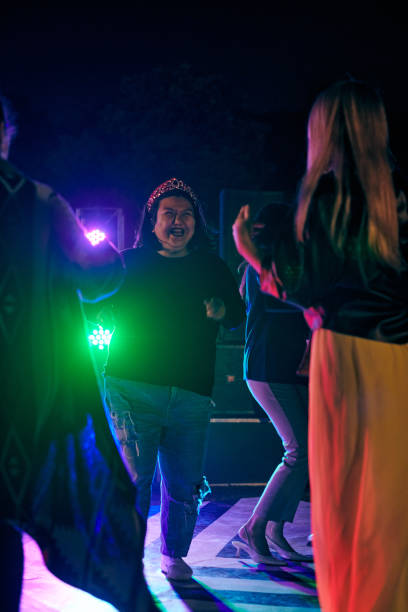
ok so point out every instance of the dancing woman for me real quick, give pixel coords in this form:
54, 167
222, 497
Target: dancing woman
345, 263
275, 340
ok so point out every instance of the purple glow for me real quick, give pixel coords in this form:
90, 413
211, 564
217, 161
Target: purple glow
95, 236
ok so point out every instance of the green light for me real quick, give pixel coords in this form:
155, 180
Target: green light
100, 337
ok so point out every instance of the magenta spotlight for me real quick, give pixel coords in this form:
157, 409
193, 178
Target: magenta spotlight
95, 236
110, 221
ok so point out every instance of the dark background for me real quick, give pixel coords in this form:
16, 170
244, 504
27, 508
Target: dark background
112, 101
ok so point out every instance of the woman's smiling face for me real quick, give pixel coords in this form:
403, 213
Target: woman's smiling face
175, 225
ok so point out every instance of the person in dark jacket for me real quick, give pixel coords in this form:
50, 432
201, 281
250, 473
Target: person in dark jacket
61, 478
344, 261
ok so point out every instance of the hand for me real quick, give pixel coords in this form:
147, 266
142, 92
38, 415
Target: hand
314, 317
215, 308
241, 231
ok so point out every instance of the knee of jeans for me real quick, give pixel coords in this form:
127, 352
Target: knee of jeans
202, 490
190, 495
124, 427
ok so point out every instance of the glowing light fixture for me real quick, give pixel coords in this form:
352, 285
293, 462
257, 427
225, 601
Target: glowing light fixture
95, 236
100, 338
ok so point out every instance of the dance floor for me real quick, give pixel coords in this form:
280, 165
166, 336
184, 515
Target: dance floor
221, 580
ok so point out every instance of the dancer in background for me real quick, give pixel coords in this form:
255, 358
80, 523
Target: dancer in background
345, 262
61, 480
160, 370
275, 341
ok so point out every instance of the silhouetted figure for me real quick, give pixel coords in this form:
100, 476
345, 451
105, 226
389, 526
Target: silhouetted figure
61, 478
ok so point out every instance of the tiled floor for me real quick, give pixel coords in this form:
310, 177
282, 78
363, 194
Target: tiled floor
221, 580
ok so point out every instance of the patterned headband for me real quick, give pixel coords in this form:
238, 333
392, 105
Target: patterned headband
170, 185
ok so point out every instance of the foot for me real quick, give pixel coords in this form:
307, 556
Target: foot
175, 568
264, 559
279, 543
255, 540
259, 552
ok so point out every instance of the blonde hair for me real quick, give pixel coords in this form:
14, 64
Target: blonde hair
348, 135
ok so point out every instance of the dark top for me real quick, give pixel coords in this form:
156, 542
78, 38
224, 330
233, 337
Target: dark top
275, 336
162, 334
314, 275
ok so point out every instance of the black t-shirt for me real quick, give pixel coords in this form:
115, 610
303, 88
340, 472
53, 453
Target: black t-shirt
162, 334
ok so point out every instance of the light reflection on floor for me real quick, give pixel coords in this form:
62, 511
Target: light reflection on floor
221, 580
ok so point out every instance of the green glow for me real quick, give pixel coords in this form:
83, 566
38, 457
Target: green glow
100, 338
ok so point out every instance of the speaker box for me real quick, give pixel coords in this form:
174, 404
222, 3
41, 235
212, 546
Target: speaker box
241, 451
230, 393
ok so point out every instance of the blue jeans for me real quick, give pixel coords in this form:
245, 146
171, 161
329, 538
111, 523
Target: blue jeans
168, 424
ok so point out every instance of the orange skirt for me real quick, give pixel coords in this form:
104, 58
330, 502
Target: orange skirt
358, 460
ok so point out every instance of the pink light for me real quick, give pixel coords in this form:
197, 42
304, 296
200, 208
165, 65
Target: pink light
95, 236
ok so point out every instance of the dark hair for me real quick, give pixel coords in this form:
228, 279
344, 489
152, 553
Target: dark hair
144, 236
8, 117
275, 218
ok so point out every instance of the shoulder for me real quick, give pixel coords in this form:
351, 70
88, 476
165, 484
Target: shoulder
45, 193
139, 257
49, 198
252, 276
10, 177
133, 255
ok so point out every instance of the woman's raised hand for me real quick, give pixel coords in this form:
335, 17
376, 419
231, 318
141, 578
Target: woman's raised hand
241, 231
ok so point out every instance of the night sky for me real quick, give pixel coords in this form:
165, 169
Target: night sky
64, 75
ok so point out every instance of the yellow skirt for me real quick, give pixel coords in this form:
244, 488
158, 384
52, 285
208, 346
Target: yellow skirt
358, 460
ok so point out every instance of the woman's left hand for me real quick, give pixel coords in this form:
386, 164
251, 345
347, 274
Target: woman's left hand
215, 308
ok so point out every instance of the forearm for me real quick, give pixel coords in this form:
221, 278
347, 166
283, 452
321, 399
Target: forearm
250, 253
98, 270
241, 231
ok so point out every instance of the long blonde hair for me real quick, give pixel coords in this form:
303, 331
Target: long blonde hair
348, 135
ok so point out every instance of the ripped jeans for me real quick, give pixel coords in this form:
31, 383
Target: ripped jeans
169, 425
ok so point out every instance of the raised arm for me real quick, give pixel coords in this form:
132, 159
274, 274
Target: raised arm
97, 271
241, 231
